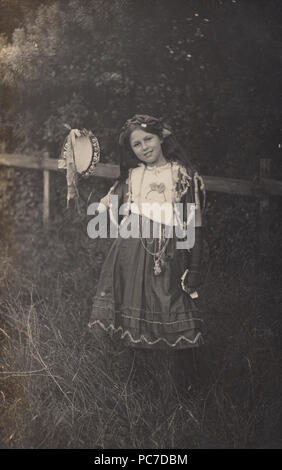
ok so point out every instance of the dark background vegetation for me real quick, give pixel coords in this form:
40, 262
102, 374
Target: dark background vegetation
213, 69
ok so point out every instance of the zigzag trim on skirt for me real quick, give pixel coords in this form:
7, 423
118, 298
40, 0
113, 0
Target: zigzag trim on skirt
142, 338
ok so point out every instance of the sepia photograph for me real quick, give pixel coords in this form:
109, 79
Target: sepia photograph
140, 225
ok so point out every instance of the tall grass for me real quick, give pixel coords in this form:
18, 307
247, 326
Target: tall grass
62, 386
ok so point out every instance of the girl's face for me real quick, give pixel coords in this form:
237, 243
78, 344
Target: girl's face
147, 147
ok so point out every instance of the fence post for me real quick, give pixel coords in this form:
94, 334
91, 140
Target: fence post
264, 216
46, 194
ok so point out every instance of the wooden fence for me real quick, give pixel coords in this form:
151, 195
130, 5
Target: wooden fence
263, 189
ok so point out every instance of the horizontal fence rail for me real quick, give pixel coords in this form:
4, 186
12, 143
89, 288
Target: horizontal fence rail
266, 186
263, 188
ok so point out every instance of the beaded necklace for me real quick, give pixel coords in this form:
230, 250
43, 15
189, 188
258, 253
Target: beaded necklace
162, 241
180, 184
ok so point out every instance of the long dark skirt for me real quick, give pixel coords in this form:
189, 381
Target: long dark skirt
146, 310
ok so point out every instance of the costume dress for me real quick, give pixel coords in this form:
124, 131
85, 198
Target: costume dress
144, 309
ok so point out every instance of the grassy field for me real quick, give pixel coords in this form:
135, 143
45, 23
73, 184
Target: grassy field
61, 386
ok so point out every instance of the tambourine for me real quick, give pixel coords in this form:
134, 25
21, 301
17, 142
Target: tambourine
79, 157
81, 148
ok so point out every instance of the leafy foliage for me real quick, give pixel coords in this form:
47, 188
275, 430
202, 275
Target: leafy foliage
211, 69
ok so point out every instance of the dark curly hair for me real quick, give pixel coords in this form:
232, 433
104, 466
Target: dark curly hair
172, 150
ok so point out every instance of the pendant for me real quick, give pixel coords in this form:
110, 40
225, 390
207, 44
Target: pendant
157, 267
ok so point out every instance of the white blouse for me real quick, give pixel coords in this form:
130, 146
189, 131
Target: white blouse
152, 189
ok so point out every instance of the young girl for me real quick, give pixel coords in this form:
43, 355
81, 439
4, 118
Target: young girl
147, 292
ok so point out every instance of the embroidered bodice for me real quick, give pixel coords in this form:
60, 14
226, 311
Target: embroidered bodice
148, 187
153, 191
152, 184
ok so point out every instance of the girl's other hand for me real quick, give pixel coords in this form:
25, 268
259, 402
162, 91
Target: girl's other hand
76, 132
